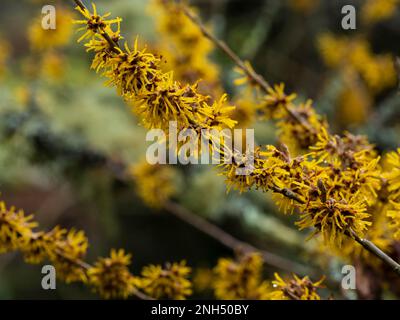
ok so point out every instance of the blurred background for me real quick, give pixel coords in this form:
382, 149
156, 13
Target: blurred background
59, 124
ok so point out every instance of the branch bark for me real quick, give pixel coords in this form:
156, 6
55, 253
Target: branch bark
231, 242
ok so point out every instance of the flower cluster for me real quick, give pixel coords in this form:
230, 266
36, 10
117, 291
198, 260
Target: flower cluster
374, 11
332, 182
241, 279
63, 248
154, 183
110, 277
298, 124
295, 289
46, 60
185, 48
43, 39
355, 56
392, 177
66, 249
354, 101
154, 95
166, 283
330, 187
4, 55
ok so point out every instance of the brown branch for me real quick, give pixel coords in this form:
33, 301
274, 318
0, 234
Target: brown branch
371, 247
286, 192
231, 242
118, 169
254, 76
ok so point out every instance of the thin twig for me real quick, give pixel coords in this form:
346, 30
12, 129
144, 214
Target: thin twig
231, 242
367, 244
371, 247
286, 192
113, 45
258, 79
254, 76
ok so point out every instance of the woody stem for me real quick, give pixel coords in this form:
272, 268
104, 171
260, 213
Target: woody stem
255, 77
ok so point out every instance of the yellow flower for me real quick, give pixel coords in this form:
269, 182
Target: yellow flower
133, 71
354, 104
381, 233
110, 277
219, 115
332, 49
95, 23
170, 102
392, 175
42, 245
53, 66
297, 137
374, 11
333, 218
240, 279
245, 111
5, 50
276, 102
203, 279
166, 283
71, 248
243, 76
15, 228
394, 215
354, 55
154, 183
185, 48
295, 289
42, 39
154, 95
392, 179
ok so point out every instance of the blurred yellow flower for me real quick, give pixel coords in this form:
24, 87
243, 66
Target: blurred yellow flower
241, 278
344, 53
374, 11
154, 183
41, 39
354, 103
304, 6
53, 66
170, 282
110, 277
5, 51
